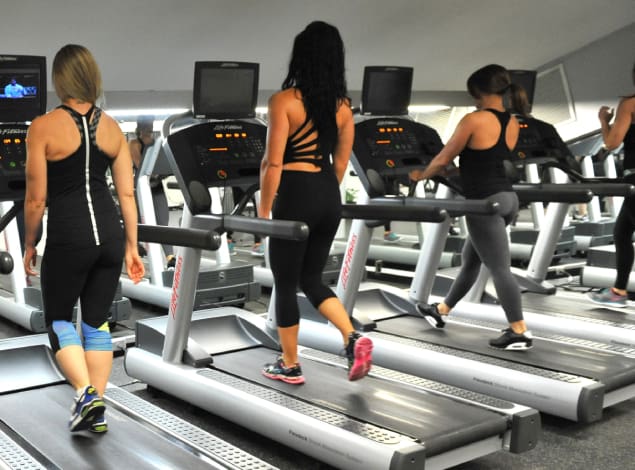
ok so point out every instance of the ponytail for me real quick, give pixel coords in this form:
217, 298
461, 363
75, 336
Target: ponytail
518, 99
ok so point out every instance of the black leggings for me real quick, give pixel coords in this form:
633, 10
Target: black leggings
623, 238
88, 273
313, 198
488, 244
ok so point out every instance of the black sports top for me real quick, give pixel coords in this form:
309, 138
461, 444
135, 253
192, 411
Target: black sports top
482, 171
629, 148
81, 210
297, 143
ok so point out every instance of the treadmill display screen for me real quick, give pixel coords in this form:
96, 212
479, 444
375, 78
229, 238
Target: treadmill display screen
225, 90
386, 90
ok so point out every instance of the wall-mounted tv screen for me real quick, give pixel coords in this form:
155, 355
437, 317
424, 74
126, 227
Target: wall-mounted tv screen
386, 90
527, 80
22, 87
225, 90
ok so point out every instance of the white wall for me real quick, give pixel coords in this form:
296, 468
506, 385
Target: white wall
598, 74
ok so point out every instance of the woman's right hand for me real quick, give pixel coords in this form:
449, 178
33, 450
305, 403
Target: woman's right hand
30, 258
134, 266
605, 114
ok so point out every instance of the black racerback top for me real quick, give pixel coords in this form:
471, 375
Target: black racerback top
482, 170
81, 209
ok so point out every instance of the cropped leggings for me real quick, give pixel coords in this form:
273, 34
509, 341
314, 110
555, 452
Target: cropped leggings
90, 274
313, 198
488, 244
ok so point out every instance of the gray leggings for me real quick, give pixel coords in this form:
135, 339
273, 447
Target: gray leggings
487, 243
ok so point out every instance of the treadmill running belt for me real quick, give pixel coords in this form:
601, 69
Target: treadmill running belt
41, 416
612, 370
558, 305
440, 423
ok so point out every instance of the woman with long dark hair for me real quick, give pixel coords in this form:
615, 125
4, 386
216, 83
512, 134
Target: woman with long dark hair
309, 143
484, 139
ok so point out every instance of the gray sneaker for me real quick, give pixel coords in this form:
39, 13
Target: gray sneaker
608, 297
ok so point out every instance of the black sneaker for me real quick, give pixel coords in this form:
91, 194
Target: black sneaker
513, 341
431, 314
358, 352
278, 371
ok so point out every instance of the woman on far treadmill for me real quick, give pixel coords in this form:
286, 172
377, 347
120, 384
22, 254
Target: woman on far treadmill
484, 139
621, 131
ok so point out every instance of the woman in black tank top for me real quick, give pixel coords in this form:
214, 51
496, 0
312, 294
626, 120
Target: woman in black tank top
484, 139
309, 142
69, 151
622, 131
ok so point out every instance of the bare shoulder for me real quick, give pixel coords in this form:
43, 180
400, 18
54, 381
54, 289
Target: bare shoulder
285, 97
45, 123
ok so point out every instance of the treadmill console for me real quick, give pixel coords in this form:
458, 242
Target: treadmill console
539, 142
393, 147
218, 153
12, 161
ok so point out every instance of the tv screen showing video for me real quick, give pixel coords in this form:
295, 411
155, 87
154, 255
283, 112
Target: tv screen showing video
22, 87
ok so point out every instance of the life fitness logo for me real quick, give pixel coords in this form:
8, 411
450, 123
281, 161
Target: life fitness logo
348, 258
222, 174
390, 163
175, 285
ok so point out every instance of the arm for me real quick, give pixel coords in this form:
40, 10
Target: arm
613, 135
135, 153
122, 178
36, 188
344, 146
271, 166
452, 148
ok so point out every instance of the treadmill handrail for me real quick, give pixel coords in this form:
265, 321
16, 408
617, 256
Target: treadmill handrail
391, 211
544, 192
598, 185
190, 237
286, 229
453, 207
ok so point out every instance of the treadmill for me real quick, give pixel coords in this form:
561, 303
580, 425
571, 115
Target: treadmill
565, 380
213, 358
34, 396
223, 281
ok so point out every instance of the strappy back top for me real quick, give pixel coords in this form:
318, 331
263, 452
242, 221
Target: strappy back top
81, 209
482, 170
299, 142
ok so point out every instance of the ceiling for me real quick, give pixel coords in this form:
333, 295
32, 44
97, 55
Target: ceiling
152, 44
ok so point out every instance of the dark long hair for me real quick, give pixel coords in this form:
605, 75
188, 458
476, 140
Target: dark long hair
494, 79
316, 69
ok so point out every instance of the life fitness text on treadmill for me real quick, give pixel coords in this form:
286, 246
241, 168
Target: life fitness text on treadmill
175, 285
346, 268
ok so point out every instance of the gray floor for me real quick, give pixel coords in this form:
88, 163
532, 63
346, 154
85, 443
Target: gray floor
606, 444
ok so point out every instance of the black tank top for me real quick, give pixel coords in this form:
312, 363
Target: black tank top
297, 143
629, 148
483, 171
81, 209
